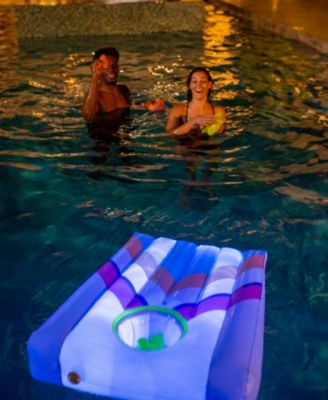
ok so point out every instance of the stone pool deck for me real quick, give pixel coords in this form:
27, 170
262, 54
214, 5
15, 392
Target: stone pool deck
302, 20
87, 19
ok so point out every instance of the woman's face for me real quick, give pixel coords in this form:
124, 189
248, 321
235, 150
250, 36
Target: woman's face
200, 85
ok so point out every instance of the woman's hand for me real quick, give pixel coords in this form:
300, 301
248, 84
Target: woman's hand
204, 120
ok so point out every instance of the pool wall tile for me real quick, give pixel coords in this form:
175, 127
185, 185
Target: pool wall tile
108, 19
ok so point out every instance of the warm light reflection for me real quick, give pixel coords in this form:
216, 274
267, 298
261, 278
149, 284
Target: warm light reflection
38, 2
73, 87
302, 195
217, 28
77, 65
24, 166
275, 5
9, 48
37, 84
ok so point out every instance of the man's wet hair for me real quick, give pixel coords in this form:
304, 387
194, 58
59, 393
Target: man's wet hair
107, 51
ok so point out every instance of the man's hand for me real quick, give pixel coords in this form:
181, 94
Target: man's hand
156, 105
97, 68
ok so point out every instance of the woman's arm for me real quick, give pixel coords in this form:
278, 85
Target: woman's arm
174, 125
177, 112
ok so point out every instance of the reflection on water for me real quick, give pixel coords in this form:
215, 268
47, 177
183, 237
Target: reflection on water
40, 2
218, 28
9, 47
72, 193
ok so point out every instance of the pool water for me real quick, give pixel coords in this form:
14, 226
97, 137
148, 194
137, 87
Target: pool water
69, 199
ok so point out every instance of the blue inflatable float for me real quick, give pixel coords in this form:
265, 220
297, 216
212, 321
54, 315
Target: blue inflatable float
162, 319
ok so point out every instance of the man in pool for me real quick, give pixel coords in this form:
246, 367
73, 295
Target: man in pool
104, 94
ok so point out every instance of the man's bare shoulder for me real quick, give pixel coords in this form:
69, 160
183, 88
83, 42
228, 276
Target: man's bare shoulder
123, 87
125, 91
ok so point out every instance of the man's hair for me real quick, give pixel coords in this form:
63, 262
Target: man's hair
107, 51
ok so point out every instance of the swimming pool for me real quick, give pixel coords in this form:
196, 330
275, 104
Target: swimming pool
69, 201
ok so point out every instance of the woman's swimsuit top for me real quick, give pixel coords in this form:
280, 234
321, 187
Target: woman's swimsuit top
209, 130
187, 111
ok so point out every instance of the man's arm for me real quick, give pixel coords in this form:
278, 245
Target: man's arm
90, 103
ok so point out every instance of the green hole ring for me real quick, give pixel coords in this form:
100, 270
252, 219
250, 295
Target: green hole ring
163, 310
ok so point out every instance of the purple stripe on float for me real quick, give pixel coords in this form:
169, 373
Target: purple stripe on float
216, 302
252, 291
123, 290
220, 301
109, 272
126, 294
137, 301
186, 310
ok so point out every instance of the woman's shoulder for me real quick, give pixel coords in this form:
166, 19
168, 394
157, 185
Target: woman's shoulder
178, 109
219, 110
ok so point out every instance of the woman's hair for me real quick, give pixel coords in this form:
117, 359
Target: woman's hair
198, 69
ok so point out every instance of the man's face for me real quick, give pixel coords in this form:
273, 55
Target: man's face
109, 66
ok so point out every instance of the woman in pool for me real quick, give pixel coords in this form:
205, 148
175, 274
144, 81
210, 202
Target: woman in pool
199, 115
